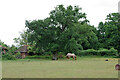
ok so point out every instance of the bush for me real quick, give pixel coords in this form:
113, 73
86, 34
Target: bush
18, 55
103, 52
91, 52
47, 53
114, 52
81, 53
8, 56
87, 52
100, 52
60, 54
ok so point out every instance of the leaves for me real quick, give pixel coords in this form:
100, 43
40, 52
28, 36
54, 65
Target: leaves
66, 30
110, 31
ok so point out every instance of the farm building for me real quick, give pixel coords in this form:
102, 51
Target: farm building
23, 51
4, 49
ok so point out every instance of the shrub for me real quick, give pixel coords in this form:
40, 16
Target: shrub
114, 52
18, 55
60, 54
100, 52
91, 52
47, 53
87, 52
103, 52
8, 56
81, 53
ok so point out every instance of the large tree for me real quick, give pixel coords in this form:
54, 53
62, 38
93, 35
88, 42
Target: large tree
65, 30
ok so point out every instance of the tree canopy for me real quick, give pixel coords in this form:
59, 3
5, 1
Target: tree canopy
109, 32
65, 30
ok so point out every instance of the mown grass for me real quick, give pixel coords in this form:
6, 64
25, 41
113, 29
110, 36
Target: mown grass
83, 67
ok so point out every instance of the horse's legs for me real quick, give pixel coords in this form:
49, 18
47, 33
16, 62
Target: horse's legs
75, 57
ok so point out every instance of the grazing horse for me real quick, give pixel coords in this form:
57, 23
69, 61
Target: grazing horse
69, 55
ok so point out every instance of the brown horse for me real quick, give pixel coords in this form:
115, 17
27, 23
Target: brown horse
69, 55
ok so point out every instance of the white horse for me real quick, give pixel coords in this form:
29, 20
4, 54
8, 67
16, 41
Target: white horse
69, 55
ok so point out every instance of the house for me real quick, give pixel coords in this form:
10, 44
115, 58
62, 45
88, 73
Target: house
4, 49
23, 51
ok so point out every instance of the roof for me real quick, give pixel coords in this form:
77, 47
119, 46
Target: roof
22, 49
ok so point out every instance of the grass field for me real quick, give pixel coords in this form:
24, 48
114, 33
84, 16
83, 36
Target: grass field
81, 68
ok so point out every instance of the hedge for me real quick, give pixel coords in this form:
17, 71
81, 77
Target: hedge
100, 52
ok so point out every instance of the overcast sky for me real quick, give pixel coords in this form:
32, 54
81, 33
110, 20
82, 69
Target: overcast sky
13, 13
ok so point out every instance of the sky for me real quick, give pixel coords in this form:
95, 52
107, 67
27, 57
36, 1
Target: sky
13, 13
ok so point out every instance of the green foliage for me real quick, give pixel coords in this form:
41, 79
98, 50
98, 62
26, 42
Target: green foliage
48, 53
8, 56
3, 44
109, 32
61, 55
54, 48
18, 55
29, 48
87, 52
114, 51
103, 52
100, 52
54, 33
63, 17
12, 49
66, 30
23, 39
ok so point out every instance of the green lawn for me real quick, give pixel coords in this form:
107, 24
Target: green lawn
81, 68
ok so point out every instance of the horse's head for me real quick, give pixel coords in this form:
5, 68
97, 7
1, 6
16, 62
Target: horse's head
67, 56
